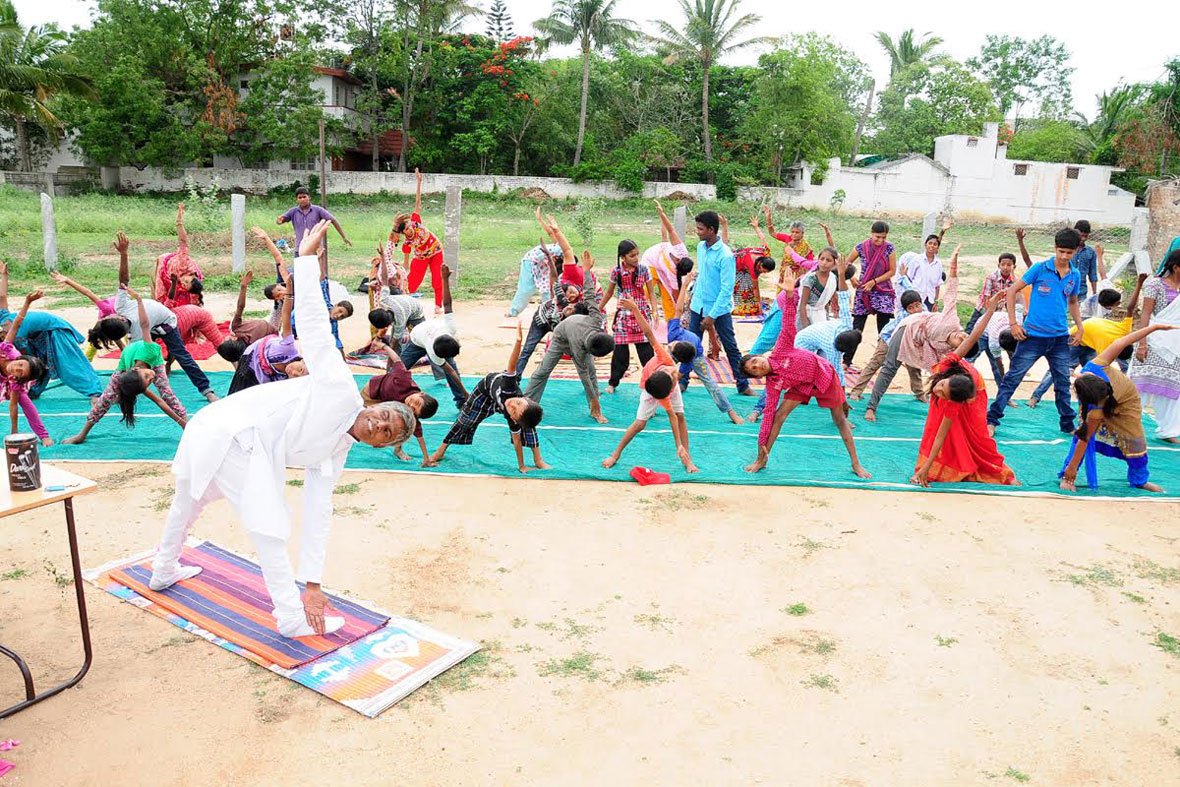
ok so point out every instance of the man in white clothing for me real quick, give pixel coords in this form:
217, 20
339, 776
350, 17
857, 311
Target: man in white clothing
239, 448
924, 271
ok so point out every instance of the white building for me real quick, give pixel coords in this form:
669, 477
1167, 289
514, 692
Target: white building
968, 177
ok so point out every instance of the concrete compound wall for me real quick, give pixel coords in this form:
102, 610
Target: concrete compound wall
260, 181
1163, 205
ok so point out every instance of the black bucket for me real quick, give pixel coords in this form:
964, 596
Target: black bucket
24, 463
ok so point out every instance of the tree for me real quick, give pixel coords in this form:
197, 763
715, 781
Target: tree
364, 25
1047, 140
590, 24
906, 52
499, 27
34, 68
711, 31
1114, 110
805, 102
1021, 71
927, 100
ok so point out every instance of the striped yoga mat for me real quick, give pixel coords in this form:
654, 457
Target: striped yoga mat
229, 599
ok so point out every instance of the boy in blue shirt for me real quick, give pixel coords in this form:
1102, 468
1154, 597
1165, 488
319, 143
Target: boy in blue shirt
1045, 333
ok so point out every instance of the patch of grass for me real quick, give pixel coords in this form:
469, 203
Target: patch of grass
825, 682
1138, 599
483, 665
347, 489
945, 642
926, 516
1020, 776
818, 646
162, 498
502, 570
798, 609
548, 625
654, 620
16, 573
810, 546
295, 482
59, 579
1176, 751
1167, 643
576, 630
353, 510
1095, 576
1149, 569
647, 676
125, 477
172, 642
670, 501
519, 623
581, 665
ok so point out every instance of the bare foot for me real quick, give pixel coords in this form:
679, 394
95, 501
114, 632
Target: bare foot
747, 392
75, 440
610, 389
1033, 402
1013, 403
599, 417
861, 472
211, 396
737, 419
689, 467
542, 465
870, 415
753, 417
1171, 439
609, 462
855, 397
1150, 487
991, 430
756, 466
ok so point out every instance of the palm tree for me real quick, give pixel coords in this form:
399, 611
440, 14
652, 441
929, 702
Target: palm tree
592, 25
34, 67
905, 52
709, 32
1114, 110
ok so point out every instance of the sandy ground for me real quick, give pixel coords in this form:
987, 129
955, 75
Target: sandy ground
637, 636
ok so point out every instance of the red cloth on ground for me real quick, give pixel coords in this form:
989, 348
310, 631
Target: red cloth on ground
969, 453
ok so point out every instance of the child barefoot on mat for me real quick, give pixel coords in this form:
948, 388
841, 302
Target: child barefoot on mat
141, 365
657, 386
499, 392
955, 443
1113, 418
799, 375
18, 372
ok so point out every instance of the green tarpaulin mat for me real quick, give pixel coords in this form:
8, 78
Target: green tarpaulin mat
808, 453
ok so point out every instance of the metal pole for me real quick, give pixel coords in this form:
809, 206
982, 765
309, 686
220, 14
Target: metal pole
323, 171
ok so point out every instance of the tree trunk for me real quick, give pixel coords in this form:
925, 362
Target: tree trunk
860, 126
516, 161
585, 97
376, 118
408, 103
705, 113
22, 146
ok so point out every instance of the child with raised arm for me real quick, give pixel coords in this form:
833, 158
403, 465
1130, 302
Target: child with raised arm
798, 375
437, 340
499, 392
956, 446
668, 260
105, 306
563, 300
243, 333
1112, 421
796, 251
397, 385
678, 333
633, 282
141, 365
271, 358
178, 280
18, 372
424, 244
657, 388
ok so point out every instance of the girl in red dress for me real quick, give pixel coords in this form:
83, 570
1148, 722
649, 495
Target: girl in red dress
956, 446
425, 246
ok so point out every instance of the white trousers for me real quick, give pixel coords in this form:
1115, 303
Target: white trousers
231, 482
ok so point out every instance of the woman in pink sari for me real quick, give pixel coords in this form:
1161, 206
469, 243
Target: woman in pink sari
875, 295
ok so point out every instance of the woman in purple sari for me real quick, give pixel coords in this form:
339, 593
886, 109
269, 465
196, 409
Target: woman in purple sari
875, 294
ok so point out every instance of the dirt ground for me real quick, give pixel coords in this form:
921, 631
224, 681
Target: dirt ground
680, 635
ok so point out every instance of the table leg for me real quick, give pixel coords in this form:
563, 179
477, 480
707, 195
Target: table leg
83, 620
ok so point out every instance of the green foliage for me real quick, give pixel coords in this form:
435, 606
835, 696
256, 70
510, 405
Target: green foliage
1022, 72
281, 114
204, 209
925, 101
907, 51
1048, 140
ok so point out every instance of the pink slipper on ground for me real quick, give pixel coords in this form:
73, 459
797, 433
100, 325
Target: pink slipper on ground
9, 744
6, 766
645, 476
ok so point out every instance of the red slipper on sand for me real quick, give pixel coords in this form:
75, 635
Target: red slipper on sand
645, 476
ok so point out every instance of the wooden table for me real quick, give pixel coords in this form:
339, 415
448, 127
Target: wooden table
18, 502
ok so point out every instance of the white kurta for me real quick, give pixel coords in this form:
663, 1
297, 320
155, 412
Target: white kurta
302, 422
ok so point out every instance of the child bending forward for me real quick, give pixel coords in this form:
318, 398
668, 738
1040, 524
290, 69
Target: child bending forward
1113, 421
658, 388
499, 392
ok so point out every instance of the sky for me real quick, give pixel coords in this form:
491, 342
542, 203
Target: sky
1106, 49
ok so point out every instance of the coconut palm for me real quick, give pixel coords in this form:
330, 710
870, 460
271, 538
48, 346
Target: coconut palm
905, 51
590, 24
711, 29
34, 67
1114, 110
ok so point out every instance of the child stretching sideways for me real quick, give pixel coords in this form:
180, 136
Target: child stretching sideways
499, 392
657, 386
1112, 424
798, 375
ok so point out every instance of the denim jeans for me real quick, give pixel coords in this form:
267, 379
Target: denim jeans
411, 353
724, 327
1057, 351
1081, 355
177, 350
538, 330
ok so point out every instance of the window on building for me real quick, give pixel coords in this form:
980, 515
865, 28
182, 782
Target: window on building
1072, 173
305, 165
1020, 170
245, 83
336, 94
973, 142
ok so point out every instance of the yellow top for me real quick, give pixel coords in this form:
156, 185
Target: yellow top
1099, 333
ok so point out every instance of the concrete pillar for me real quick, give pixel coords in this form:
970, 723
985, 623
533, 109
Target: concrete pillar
237, 209
929, 225
48, 232
1163, 206
680, 222
453, 215
110, 178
